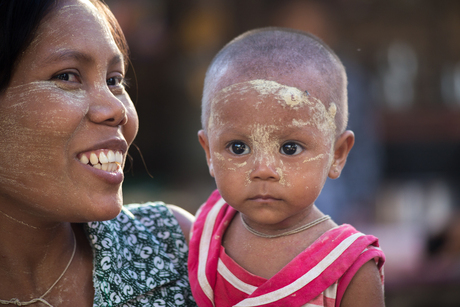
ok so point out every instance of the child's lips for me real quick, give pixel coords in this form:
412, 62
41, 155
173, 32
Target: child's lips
264, 198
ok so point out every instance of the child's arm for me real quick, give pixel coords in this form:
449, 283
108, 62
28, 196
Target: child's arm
365, 289
184, 218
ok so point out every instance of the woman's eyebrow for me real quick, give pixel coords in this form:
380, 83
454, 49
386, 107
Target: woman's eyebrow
64, 55
79, 56
116, 59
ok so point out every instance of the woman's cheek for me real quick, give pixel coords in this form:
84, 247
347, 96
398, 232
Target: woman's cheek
45, 109
132, 126
37, 120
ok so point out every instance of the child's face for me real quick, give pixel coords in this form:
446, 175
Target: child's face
270, 148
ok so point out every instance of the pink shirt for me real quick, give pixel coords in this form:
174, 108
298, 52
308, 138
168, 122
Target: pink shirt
316, 277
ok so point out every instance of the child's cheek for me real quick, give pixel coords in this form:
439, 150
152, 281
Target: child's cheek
219, 163
283, 177
247, 180
218, 157
318, 157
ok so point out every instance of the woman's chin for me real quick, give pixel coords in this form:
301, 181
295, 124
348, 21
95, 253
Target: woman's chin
107, 215
110, 212
101, 211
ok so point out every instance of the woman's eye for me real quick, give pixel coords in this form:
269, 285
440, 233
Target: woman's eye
239, 148
115, 81
66, 76
291, 149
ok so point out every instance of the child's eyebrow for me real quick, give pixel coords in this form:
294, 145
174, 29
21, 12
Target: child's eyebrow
234, 131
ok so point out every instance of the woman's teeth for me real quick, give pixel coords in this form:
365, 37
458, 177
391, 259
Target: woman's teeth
107, 162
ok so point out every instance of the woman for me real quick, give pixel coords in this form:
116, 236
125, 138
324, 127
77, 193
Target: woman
66, 124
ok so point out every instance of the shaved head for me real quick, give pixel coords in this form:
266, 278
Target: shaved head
289, 57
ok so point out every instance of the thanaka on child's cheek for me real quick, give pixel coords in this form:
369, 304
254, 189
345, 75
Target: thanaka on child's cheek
264, 183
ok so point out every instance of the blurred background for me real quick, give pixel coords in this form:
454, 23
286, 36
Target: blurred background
402, 178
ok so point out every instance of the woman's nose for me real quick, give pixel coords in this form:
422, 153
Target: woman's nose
264, 169
105, 108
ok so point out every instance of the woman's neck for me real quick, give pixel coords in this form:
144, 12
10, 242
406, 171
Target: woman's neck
32, 258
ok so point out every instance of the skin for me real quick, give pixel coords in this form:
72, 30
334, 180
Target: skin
50, 122
66, 99
251, 125
273, 190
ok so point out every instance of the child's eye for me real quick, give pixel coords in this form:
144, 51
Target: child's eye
239, 148
291, 149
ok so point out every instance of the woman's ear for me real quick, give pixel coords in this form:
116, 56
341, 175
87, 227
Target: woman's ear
204, 141
342, 147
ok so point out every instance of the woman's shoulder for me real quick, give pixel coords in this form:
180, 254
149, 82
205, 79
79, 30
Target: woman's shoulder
140, 253
140, 220
146, 210
149, 214
150, 224
162, 216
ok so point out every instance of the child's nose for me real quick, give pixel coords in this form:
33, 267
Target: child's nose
264, 170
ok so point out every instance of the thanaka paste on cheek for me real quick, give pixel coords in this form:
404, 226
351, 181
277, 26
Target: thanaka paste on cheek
264, 147
247, 180
282, 180
235, 165
318, 157
30, 141
25, 93
219, 156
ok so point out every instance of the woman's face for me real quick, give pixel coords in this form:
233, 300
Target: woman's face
66, 105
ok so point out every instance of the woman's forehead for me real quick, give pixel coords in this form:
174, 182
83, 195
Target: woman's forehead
74, 27
70, 20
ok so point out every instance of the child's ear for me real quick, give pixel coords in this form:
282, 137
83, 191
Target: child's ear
342, 147
203, 138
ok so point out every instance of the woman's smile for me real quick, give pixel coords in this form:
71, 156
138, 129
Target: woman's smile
103, 159
67, 114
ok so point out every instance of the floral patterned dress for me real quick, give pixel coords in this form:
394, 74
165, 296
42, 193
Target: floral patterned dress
140, 259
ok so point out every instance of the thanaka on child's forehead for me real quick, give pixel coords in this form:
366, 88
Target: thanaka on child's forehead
291, 58
288, 97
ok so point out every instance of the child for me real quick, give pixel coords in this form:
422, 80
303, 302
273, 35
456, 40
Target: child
274, 122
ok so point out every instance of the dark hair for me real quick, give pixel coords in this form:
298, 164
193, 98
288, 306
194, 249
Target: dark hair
19, 21
115, 29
